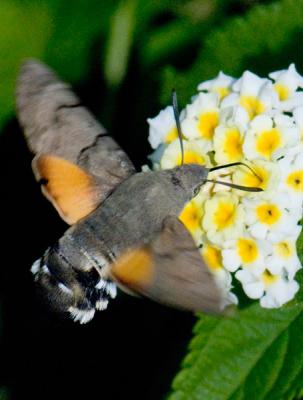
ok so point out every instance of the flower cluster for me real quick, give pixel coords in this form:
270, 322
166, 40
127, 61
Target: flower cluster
244, 236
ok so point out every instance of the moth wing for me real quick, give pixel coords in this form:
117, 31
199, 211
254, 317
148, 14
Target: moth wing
170, 270
57, 126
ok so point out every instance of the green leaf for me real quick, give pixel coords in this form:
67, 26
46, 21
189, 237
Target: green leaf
262, 38
243, 357
173, 37
291, 374
265, 373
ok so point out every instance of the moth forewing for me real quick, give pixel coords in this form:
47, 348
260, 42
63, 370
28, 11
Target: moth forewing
170, 270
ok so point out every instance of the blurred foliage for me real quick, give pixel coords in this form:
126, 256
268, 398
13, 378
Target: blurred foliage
4, 394
121, 36
263, 40
24, 29
62, 35
71, 38
158, 45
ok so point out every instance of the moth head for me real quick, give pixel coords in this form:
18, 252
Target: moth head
190, 177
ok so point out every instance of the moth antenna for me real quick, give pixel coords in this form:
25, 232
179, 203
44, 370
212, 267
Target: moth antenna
232, 165
177, 118
233, 185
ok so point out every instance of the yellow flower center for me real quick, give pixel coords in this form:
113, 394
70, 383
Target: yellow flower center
191, 157
222, 91
282, 90
259, 180
247, 250
191, 216
268, 213
283, 249
295, 180
233, 145
212, 257
207, 123
224, 215
268, 142
252, 105
268, 278
171, 135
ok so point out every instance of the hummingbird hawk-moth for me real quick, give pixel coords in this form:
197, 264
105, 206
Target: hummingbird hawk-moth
124, 226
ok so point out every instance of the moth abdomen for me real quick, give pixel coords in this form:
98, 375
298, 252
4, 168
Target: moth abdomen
68, 289
52, 290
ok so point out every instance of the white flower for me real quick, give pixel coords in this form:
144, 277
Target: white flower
256, 95
270, 217
162, 128
283, 256
194, 152
267, 138
250, 84
213, 258
292, 174
191, 216
245, 252
228, 144
298, 117
263, 174
223, 217
287, 81
234, 116
256, 123
279, 293
294, 102
201, 119
229, 135
220, 85
215, 177
224, 281
273, 290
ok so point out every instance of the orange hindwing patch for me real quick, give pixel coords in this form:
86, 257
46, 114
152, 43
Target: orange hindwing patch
134, 268
71, 190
